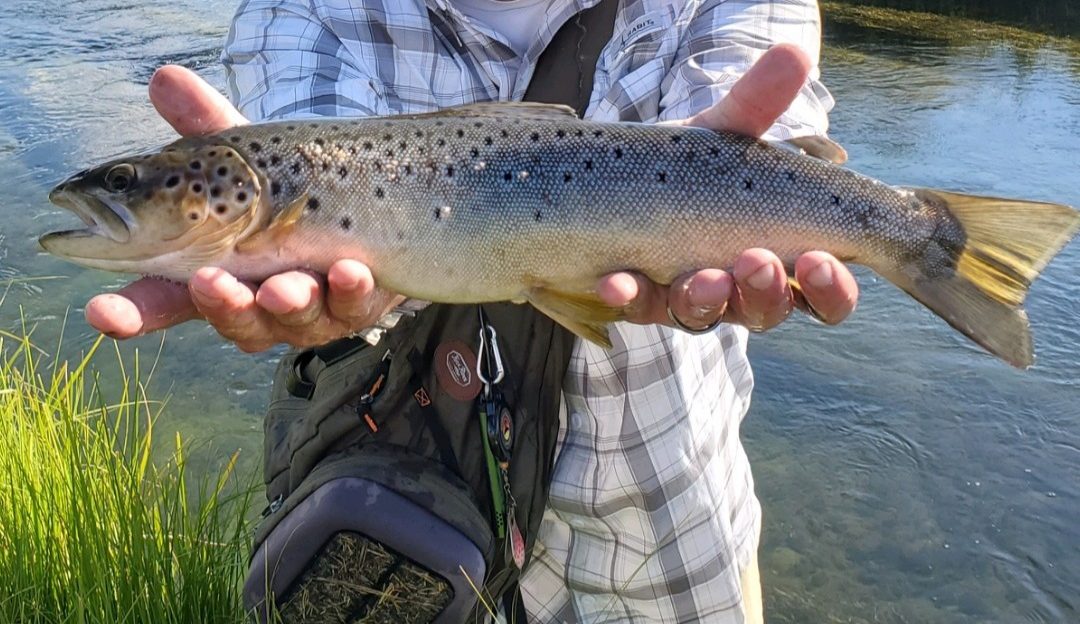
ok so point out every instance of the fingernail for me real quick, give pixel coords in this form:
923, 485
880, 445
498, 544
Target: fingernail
820, 276
205, 297
704, 312
762, 278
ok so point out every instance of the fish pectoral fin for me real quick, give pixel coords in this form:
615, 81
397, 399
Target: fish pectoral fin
279, 227
535, 110
582, 313
820, 147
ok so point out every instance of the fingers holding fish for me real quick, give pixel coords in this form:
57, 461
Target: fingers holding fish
762, 296
190, 105
353, 298
698, 300
229, 306
830, 292
143, 306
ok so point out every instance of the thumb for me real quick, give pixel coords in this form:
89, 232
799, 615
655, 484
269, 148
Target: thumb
761, 95
190, 105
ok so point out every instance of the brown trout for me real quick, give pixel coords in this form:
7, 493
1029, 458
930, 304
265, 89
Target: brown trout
527, 203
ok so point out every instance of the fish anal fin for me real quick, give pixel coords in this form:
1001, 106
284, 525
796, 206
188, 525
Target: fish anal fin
535, 110
280, 226
820, 147
582, 313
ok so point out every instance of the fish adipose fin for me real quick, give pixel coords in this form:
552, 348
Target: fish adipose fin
582, 313
1008, 243
820, 147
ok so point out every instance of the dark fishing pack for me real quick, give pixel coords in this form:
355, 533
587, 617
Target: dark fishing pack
401, 486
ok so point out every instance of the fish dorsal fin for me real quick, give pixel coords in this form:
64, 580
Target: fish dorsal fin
821, 147
582, 313
279, 227
536, 110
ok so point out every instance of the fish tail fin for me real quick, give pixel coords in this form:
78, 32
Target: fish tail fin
1007, 244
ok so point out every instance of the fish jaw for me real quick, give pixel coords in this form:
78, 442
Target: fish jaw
102, 243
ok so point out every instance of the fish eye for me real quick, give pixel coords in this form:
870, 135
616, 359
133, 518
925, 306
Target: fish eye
120, 178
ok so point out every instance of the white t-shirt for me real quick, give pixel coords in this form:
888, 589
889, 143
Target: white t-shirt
517, 20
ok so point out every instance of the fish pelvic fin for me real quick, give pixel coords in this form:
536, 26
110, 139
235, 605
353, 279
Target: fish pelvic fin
1008, 244
584, 314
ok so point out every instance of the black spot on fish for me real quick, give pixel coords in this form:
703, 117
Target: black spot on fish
748, 184
326, 166
195, 165
566, 177
560, 133
579, 133
449, 171
335, 127
260, 163
320, 142
172, 181
538, 215
221, 209
312, 204
402, 145
237, 180
275, 188
419, 134
343, 172
503, 133
441, 142
477, 124
460, 133
255, 146
535, 136
234, 139
835, 200
400, 235
508, 176
389, 153
588, 165
661, 177
215, 191
194, 216
228, 154
715, 151
367, 145
439, 122
196, 188
346, 223
295, 168
211, 153
275, 160
618, 152
598, 133
438, 214
222, 171
676, 138
275, 140
379, 192
474, 152
290, 128
313, 125
790, 175
387, 137
487, 140
241, 197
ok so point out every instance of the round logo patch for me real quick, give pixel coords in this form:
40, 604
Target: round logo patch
455, 366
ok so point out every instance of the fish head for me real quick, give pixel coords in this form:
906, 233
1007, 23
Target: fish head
182, 207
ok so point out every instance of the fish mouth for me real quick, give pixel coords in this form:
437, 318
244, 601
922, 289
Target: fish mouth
104, 219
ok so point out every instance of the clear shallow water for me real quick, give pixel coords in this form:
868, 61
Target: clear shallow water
905, 476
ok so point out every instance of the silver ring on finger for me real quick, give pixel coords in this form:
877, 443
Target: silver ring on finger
691, 330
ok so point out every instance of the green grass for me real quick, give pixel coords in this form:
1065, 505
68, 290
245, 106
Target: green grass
92, 529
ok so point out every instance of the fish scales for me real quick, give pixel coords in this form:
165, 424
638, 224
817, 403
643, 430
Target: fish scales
525, 202
471, 209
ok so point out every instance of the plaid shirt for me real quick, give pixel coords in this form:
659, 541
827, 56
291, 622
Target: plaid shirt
652, 515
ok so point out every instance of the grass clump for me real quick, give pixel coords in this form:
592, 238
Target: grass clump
92, 530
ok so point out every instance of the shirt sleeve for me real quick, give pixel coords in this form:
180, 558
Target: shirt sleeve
282, 59
725, 37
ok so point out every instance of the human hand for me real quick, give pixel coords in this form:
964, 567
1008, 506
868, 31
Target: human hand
296, 307
756, 293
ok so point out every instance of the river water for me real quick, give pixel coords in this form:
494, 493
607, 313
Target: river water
905, 476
